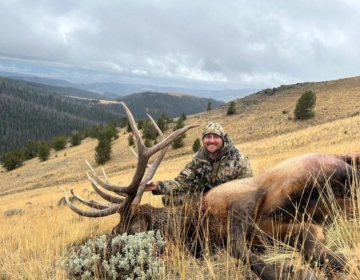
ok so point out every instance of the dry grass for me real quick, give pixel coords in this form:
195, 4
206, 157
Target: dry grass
32, 243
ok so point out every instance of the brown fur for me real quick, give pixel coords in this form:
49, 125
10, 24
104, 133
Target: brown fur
289, 202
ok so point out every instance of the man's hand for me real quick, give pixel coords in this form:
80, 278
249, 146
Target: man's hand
151, 186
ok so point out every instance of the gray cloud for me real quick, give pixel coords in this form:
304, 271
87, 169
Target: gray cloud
231, 42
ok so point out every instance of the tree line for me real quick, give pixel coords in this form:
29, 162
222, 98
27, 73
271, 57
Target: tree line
104, 134
31, 111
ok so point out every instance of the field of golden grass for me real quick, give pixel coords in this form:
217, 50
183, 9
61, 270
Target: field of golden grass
31, 244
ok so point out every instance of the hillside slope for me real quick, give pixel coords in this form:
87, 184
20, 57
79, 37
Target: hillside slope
270, 112
260, 129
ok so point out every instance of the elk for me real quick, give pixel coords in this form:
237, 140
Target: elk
290, 203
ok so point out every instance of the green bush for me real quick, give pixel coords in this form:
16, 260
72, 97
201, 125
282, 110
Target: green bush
305, 106
179, 142
103, 151
59, 142
44, 151
149, 131
12, 160
31, 149
231, 109
131, 140
197, 145
121, 257
76, 138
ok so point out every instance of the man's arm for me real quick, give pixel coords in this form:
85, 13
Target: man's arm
185, 182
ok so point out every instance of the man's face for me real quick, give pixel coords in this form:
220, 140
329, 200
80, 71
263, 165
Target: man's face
212, 143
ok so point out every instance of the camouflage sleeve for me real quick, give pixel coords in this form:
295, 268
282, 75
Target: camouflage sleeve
244, 169
185, 182
235, 166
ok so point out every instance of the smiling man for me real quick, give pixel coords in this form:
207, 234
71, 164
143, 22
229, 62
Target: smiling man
218, 161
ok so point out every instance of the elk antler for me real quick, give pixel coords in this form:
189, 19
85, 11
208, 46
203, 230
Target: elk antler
134, 191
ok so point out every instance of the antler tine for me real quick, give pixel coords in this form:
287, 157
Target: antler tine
90, 203
104, 195
91, 214
106, 185
139, 142
104, 174
153, 167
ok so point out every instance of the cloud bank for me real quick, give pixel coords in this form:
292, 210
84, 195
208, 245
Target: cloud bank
232, 43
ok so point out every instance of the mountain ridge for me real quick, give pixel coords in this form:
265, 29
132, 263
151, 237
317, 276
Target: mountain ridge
33, 111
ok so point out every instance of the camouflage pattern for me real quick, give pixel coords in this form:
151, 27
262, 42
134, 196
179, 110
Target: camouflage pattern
213, 128
203, 173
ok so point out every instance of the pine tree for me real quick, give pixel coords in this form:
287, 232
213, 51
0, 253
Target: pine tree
131, 140
75, 138
12, 160
103, 150
196, 146
59, 142
178, 143
305, 106
231, 109
44, 151
31, 149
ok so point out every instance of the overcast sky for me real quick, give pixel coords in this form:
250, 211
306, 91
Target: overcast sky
237, 43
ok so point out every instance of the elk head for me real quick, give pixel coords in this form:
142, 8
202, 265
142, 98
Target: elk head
128, 198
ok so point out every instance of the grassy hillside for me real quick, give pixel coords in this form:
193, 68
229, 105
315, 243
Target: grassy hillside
32, 243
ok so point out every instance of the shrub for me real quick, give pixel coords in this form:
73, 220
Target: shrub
231, 109
305, 106
103, 151
59, 142
122, 257
13, 212
31, 149
123, 122
12, 160
44, 151
131, 140
183, 117
179, 142
76, 138
149, 131
197, 145
148, 143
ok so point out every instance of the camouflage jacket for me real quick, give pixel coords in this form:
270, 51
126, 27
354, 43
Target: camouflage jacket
203, 173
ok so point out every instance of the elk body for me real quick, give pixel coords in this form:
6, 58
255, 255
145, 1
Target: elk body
290, 203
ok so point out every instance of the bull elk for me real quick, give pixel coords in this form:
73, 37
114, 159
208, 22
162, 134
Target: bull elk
289, 203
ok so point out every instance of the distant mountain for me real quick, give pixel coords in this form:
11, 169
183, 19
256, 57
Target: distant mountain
65, 88
112, 90
34, 111
122, 89
173, 104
